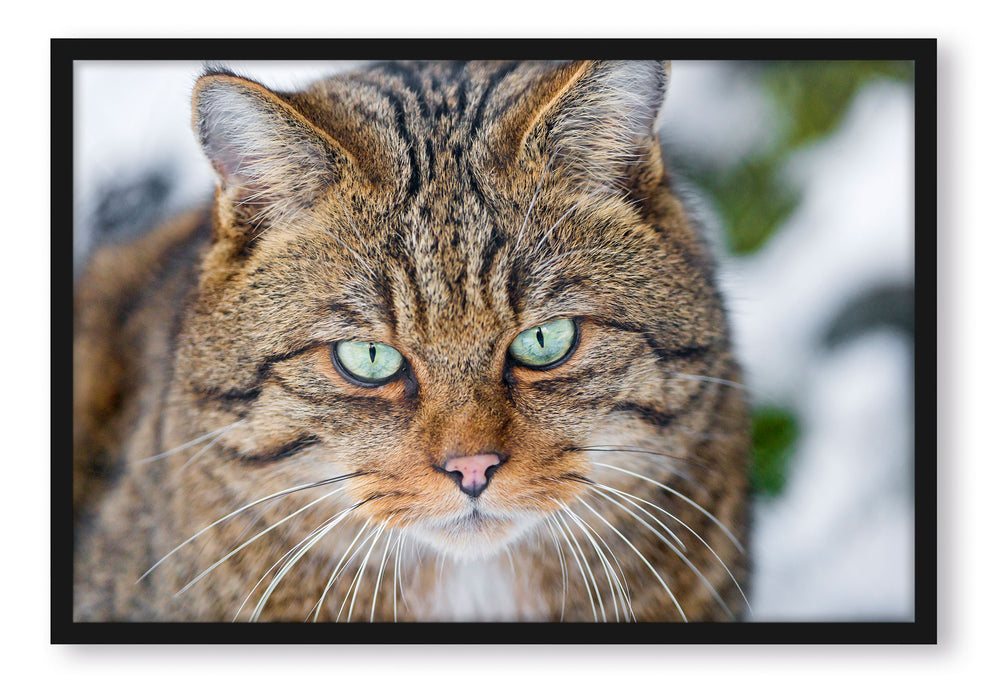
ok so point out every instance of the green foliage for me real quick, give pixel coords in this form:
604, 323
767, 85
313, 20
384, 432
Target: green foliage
775, 433
751, 199
813, 96
810, 99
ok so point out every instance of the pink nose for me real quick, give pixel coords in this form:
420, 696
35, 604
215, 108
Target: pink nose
472, 473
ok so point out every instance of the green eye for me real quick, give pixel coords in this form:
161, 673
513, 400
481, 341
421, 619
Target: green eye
544, 345
368, 363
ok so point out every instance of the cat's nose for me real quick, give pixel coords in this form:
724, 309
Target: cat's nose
473, 472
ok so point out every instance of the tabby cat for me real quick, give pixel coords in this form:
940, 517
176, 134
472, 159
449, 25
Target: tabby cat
446, 347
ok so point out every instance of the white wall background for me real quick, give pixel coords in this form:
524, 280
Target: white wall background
954, 667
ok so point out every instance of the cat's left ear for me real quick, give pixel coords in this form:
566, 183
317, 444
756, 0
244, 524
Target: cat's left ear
596, 119
271, 160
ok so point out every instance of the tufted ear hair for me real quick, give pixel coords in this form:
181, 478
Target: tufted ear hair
270, 159
597, 118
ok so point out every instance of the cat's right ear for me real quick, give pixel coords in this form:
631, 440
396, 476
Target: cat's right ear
270, 159
594, 119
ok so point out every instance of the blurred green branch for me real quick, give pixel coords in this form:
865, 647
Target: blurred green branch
810, 99
775, 434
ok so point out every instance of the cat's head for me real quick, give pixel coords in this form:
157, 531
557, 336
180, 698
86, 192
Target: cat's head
449, 280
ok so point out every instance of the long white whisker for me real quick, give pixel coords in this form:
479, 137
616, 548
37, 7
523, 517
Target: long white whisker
443, 560
557, 518
381, 571
568, 213
713, 380
689, 529
512, 563
563, 568
682, 556
643, 451
260, 534
677, 493
196, 456
279, 494
339, 569
644, 559
397, 581
201, 438
357, 581
591, 574
624, 588
341, 515
594, 545
600, 487
532, 201
610, 574
313, 538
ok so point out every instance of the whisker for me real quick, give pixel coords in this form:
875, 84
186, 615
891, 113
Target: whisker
677, 493
378, 583
357, 578
630, 497
594, 484
201, 438
443, 560
640, 555
624, 587
397, 581
591, 574
340, 568
265, 575
260, 534
713, 380
279, 494
608, 578
682, 556
512, 564
532, 201
568, 541
357, 581
313, 538
567, 213
196, 456
563, 568
643, 451
610, 574
342, 514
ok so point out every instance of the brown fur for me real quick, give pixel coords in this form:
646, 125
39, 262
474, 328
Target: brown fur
440, 209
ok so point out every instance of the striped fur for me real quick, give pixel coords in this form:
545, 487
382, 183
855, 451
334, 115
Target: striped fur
440, 208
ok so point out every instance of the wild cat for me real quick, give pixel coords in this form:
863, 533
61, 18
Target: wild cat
446, 347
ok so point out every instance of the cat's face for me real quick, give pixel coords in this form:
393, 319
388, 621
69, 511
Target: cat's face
453, 322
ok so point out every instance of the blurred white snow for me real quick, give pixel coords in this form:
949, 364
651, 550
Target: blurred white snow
838, 544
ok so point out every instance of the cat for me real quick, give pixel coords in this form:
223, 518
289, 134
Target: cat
446, 346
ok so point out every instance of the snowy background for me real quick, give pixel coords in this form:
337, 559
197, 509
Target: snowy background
817, 289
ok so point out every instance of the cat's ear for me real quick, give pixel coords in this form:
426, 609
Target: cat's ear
596, 119
270, 159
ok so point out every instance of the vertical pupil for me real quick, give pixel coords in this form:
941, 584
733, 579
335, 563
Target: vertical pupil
371, 351
539, 336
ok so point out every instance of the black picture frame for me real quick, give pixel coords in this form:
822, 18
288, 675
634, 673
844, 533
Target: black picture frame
921, 631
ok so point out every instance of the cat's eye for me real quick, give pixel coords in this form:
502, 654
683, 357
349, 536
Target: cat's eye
367, 363
545, 346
